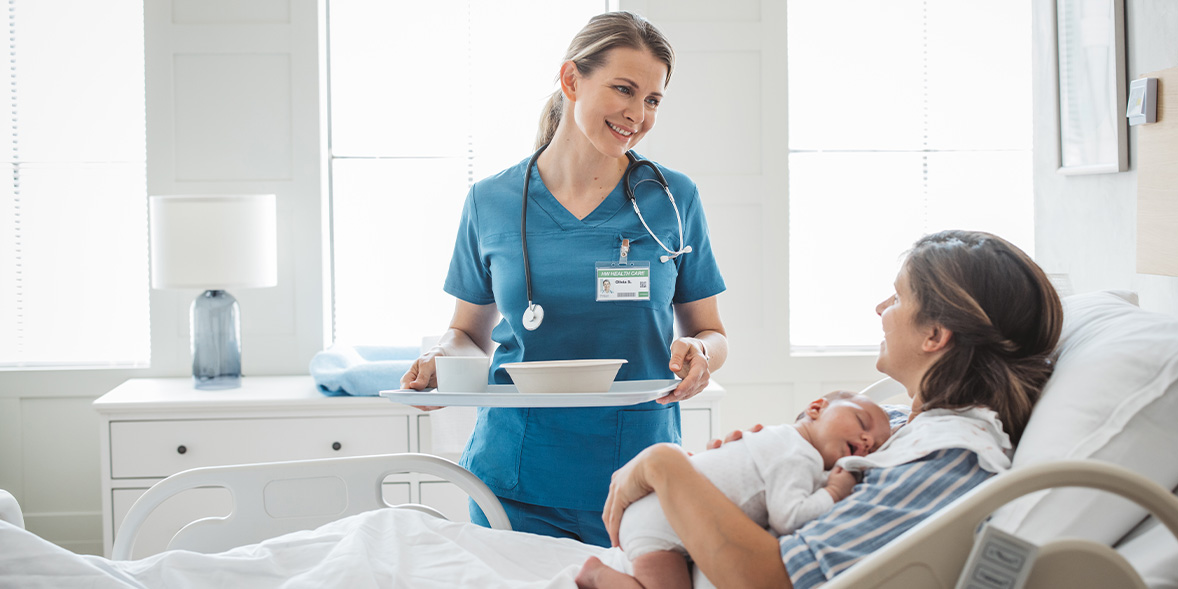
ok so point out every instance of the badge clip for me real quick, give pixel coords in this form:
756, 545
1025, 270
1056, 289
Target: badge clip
622, 280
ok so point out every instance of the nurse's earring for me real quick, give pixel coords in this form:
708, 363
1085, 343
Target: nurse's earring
533, 316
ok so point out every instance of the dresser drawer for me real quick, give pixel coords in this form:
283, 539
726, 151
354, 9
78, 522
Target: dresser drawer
156, 449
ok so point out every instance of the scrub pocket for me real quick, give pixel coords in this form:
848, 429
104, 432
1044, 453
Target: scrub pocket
639, 429
494, 449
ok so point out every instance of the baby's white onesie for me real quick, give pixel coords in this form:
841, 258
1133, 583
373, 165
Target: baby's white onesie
775, 476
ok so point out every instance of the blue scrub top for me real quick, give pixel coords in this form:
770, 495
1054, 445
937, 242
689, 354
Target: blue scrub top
558, 457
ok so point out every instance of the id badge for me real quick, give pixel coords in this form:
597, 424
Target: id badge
622, 282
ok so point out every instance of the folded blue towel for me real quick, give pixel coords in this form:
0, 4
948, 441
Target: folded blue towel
361, 370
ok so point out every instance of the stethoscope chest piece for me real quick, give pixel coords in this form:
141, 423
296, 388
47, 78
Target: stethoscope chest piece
533, 316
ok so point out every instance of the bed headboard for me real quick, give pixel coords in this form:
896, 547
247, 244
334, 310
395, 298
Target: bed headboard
1157, 182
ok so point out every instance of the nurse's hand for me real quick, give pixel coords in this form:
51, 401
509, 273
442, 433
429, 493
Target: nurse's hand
690, 363
422, 375
633, 482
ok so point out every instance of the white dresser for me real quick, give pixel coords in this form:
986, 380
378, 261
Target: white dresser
155, 427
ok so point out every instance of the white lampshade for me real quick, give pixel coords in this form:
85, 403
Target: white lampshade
214, 241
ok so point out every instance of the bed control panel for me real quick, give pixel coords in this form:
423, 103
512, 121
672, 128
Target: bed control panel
998, 561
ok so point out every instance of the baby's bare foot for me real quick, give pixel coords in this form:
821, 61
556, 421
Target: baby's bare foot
587, 578
598, 575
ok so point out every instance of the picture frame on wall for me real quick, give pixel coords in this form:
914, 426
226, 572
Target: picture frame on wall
1093, 133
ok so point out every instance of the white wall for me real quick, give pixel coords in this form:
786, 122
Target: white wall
1086, 226
49, 434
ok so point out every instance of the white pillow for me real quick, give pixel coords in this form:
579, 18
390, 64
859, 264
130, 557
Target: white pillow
1113, 397
1154, 555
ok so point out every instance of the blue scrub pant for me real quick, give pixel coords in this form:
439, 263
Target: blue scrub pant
585, 526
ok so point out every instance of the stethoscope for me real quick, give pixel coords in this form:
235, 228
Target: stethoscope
534, 313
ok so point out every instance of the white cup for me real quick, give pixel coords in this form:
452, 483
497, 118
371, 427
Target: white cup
462, 374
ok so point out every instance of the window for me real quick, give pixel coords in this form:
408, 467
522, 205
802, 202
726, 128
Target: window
426, 98
905, 117
73, 210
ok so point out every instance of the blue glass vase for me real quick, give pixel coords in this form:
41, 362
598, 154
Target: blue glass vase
216, 341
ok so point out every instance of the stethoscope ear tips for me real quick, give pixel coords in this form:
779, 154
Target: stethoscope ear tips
685, 250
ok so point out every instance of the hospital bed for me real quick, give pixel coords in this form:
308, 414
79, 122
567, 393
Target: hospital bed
1106, 422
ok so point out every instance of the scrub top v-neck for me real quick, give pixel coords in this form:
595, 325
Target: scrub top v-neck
565, 219
563, 457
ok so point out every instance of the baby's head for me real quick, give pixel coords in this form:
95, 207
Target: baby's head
843, 423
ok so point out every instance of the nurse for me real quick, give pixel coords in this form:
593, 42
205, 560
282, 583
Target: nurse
551, 467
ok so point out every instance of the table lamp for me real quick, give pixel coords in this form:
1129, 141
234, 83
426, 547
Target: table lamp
214, 242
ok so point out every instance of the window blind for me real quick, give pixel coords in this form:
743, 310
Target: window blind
73, 203
905, 117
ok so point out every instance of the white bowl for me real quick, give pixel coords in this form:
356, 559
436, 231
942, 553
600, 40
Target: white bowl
564, 376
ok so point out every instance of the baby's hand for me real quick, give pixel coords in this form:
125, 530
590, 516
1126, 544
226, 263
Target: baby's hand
840, 483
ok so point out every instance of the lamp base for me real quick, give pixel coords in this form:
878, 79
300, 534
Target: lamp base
216, 341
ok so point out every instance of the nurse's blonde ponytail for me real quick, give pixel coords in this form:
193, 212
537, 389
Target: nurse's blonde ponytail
588, 52
550, 119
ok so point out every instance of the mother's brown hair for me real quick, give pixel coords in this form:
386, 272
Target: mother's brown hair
1005, 317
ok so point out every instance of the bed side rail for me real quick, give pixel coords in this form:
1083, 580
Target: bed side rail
932, 554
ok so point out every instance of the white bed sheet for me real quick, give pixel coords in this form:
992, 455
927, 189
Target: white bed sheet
381, 548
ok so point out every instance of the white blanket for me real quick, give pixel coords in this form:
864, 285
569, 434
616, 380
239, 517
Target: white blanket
382, 548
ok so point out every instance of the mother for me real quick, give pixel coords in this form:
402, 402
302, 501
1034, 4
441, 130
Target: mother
971, 326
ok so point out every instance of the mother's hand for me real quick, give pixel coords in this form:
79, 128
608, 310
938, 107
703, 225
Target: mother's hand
633, 482
690, 363
732, 437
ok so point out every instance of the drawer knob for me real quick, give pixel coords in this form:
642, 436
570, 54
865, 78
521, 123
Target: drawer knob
336, 445
181, 449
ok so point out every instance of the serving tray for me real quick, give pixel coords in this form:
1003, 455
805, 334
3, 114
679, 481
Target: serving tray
625, 392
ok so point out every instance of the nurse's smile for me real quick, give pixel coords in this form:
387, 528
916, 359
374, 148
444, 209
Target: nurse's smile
620, 131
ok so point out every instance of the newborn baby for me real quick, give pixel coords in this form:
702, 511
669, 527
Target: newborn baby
776, 476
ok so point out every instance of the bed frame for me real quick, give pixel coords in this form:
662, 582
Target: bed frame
274, 498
